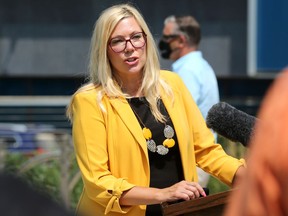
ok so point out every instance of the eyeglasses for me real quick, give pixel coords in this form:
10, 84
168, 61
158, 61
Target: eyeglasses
119, 44
169, 37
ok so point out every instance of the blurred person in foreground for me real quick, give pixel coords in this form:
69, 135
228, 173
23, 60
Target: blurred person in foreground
18, 198
180, 42
137, 132
264, 190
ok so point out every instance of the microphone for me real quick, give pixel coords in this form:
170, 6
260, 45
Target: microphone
231, 123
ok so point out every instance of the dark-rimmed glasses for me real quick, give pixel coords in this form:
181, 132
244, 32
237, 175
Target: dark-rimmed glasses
119, 44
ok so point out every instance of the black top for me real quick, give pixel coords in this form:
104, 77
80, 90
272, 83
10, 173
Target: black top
165, 170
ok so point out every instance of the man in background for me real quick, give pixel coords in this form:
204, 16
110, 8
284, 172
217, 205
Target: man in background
179, 43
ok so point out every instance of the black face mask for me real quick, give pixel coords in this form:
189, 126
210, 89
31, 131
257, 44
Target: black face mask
165, 49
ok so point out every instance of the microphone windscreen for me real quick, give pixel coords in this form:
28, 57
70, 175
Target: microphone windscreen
231, 123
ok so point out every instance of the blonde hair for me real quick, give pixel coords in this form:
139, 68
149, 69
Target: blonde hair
100, 68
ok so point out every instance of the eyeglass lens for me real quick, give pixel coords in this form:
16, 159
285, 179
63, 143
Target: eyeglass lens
119, 44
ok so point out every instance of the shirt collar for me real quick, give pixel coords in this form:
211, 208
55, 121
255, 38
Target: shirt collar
179, 62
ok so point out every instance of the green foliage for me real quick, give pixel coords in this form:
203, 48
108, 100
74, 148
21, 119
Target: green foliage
13, 162
76, 192
216, 186
44, 177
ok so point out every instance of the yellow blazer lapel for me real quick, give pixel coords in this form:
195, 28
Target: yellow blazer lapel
174, 109
128, 117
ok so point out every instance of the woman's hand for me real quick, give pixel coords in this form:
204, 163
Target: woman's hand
183, 190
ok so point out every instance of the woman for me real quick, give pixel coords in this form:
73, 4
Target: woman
137, 132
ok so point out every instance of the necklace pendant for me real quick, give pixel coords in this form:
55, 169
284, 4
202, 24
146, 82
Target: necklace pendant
151, 145
147, 133
162, 150
169, 143
168, 132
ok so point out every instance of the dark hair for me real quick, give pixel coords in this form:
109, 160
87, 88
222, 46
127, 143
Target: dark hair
190, 27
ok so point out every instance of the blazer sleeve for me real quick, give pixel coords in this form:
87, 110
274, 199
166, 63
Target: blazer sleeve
209, 155
90, 143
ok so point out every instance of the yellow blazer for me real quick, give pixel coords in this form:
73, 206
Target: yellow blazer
112, 153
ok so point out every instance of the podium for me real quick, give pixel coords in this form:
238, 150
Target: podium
204, 206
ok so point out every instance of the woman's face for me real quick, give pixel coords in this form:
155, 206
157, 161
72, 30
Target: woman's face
131, 60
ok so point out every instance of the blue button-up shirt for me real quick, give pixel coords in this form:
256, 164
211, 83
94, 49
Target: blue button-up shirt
199, 78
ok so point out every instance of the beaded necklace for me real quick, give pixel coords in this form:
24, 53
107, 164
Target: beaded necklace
168, 132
